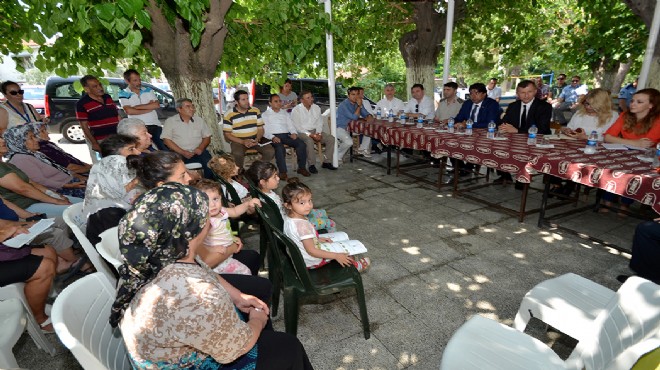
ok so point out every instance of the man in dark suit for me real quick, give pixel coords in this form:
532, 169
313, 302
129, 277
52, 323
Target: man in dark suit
522, 114
479, 108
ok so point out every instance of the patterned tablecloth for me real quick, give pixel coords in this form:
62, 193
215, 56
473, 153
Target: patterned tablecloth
617, 171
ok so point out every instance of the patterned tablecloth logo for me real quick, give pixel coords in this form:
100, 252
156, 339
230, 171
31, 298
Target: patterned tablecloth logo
467, 146
501, 154
563, 167
521, 157
442, 152
649, 199
490, 163
633, 185
546, 168
510, 168
576, 176
617, 174
472, 158
452, 143
596, 175
483, 150
610, 186
656, 184
457, 155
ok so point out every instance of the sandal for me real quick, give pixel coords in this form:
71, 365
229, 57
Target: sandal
362, 264
46, 323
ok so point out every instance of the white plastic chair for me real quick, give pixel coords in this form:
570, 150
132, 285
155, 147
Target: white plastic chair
108, 247
569, 303
625, 329
16, 290
80, 317
12, 322
73, 217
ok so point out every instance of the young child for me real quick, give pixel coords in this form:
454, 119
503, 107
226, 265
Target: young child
297, 198
265, 176
220, 244
225, 167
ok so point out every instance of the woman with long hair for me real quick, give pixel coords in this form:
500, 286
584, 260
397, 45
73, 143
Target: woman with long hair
640, 125
595, 114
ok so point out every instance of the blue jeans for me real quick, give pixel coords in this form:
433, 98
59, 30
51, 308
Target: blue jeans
155, 132
280, 153
52, 210
645, 259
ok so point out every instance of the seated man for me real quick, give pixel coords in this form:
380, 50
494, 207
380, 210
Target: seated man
365, 144
568, 100
308, 122
188, 135
389, 102
420, 104
134, 127
450, 104
645, 260
480, 109
493, 91
243, 129
520, 115
349, 110
279, 128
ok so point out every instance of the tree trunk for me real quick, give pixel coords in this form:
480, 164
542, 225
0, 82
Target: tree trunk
190, 70
420, 48
620, 77
604, 72
645, 10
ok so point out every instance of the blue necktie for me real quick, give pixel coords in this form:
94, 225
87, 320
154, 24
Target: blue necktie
473, 114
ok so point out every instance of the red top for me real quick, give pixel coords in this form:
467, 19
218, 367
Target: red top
617, 130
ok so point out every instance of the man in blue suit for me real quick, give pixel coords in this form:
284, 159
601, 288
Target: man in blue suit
480, 108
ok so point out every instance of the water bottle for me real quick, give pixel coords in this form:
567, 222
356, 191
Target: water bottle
656, 157
378, 113
531, 137
491, 130
468, 127
450, 125
592, 141
390, 116
420, 121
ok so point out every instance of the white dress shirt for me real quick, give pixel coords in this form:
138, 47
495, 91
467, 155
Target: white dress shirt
277, 123
395, 105
424, 107
307, 120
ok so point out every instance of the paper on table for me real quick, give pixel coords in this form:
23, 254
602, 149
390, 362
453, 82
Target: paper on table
614, 146
36, 229
545, 146
635, 147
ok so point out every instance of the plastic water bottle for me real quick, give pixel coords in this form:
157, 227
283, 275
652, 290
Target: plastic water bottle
468, 127
592, 141
656, 157
450, 125
531, 135
402, 117
420, 121
390, 116
491, 130
379, 114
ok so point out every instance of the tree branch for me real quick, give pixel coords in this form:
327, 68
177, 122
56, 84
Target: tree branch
161, 36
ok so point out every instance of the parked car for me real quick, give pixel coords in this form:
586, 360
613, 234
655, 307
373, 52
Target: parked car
61, 97
34, 95
318, 87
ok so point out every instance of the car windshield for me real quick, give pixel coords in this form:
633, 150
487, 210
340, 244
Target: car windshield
33, 93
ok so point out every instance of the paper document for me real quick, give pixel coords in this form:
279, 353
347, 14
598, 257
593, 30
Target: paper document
36, 229
635, 147
613, 146
341, 244
266, 143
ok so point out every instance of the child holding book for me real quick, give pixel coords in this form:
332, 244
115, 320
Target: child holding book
316, 251
264, 175
223, 250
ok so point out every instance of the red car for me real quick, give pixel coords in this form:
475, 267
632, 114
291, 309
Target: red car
34, 95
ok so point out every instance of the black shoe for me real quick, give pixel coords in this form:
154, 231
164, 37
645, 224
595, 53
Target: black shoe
312, 169
328, 166
622, 278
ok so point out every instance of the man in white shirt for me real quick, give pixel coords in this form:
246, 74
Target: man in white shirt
389, 102
450, 104
279, 128
420, 104
308, 122
140, 102
493, 91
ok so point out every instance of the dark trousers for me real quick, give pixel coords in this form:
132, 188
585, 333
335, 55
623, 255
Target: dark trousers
249, 258
280, 153
279, 350
202, 159
252, 285
609, 197
155, 132
645, 259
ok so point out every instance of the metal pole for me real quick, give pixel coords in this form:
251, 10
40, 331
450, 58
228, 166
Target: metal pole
331, 80
650, 47
448, 36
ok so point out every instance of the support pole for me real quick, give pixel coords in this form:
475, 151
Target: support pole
331, 79
650, 47
448, 36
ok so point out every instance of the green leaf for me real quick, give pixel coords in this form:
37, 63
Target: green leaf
105, 11
143, 19
122, 25
130, 7
131, 43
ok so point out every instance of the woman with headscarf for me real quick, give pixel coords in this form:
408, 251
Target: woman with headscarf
175, 312
57, 154
24, 153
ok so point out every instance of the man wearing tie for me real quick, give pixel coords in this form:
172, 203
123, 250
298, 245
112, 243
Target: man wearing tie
480, 109
523, 113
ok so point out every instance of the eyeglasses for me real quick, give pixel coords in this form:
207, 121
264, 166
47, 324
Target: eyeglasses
17, 92
575, 81
416, 108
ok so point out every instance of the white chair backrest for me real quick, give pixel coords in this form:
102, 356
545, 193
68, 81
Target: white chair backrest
80, 316
108, 247
73, 217
631, 317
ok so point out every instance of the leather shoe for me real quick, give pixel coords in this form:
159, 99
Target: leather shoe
304, 172
283, 176
328, 166
312, 169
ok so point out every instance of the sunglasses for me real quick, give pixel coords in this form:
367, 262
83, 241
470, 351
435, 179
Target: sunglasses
416, 108
575, 81
16, 92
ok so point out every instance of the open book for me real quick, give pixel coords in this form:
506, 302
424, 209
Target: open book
36, 229
341, 244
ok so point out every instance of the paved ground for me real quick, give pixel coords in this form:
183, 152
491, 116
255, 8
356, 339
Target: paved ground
437, 261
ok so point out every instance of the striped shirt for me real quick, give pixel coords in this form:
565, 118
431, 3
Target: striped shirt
243, 125
102, 117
